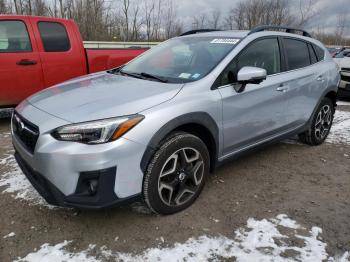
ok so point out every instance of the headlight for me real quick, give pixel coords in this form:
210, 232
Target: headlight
97, 132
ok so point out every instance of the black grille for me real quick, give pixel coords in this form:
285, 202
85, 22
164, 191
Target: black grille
25, 131
345, 69
345, 78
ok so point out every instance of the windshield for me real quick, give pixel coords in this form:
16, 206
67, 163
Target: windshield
340, 55
181, 60
345, 53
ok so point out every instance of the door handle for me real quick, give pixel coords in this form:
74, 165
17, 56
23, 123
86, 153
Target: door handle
26, 62
282, 88
320, 78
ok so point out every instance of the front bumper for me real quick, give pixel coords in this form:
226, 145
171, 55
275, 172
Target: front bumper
104, 197
56, 168
344, 90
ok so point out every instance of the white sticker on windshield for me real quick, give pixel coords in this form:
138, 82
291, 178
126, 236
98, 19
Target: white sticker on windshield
195, 76
229, 41
185, 75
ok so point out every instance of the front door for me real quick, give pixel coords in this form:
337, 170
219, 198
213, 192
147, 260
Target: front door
20, 66
259, 112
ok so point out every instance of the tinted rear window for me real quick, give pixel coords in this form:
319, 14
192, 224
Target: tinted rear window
297, 54
54, 37
319, 52
313, 56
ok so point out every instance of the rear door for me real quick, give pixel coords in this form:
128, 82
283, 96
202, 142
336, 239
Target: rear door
61, 53
20, 67
306, 77
259, 112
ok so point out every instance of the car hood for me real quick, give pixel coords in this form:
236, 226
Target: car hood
343, 62
102, 95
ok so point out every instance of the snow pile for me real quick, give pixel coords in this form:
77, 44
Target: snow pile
340, 131
12, 234
56, 253
343, 103
277, 239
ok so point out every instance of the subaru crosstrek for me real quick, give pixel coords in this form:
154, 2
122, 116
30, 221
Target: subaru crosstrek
158, 126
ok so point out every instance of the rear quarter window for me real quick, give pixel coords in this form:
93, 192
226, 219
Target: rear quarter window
319, 52
313, 56
297, 53
54, 37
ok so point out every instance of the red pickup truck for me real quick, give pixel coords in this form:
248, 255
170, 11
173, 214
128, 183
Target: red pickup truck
38, 52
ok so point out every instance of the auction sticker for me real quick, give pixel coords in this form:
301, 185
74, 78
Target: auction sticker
229, 41
185, 75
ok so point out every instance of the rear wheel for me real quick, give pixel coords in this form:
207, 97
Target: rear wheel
321, 124
176, 174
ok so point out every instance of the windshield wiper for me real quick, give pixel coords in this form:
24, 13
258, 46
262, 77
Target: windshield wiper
147, 75
143, 75
131, 74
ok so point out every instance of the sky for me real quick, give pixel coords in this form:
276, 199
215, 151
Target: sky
328, 11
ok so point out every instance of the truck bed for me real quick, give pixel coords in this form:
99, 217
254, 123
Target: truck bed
104, 59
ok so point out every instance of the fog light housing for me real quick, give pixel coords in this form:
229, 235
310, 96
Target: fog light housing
94, 189
93, 185
87, 184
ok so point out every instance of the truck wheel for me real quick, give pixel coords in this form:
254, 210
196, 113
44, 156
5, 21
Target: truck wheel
321, 124
176, 174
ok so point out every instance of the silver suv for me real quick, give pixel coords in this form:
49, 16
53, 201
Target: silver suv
156, 127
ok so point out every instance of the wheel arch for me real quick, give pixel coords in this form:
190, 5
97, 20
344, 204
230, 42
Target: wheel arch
332, 95
200, 124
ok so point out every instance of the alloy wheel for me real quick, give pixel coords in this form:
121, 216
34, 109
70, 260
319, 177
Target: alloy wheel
323, 122
181, 177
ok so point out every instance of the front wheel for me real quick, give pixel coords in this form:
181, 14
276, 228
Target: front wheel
176, 174
321, 124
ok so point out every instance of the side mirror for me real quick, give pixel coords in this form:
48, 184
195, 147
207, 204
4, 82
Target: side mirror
251, 75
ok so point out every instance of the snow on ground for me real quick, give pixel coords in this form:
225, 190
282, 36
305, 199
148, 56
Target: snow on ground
13, 181
277, 239
340, 131
343, 103
12, 234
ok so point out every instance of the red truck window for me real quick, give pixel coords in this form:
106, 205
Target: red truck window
14, 37
54, 37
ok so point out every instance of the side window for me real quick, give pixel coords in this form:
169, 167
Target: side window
54, 37
297, 53
14, 37
262, 53
319, 52
313, 56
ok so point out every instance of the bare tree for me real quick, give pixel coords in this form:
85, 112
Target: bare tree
340, 30
125, 12
250, 13
149, 9
200, 21
136, 23
169, 19
215, 19
305, 12
3, 7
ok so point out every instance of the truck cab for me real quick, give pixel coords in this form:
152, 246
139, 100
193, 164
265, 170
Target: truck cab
39, 52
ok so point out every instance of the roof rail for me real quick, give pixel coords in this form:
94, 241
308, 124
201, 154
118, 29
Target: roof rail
198, 31
279, 28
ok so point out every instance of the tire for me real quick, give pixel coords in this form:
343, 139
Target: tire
176, 174
321, 124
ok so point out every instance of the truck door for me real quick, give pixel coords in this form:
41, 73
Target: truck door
20, 66
61, 52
